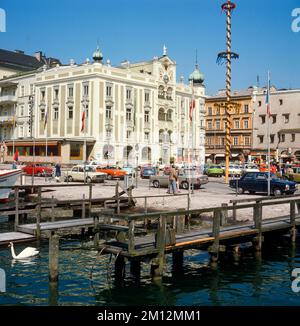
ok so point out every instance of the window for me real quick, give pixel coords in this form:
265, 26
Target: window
259, 103
108, 112
55, 113
209, 111
283, 138
223, 141
246, 108
272, 138
85, 90
42, 114
70, 112
286, 118
217, 111
208, 139
169, 115
218, 124
108, 90
235, 141
70, 91
247, 141
147, 97
293, 137
263, 119
146, 136
22, 110
274, 118
161, 114
128, 114
246, 124
43, 95
280, 102
128, 134
261, 139
237, 124
209, 125
22, 90
108, 133
146, 116
128, 94
169, 93
161, 92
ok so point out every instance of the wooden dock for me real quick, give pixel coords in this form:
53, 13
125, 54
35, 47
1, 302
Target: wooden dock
16, 237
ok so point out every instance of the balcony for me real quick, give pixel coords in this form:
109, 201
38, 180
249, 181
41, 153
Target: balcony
147, 126
129, 124
7, 120
6, 99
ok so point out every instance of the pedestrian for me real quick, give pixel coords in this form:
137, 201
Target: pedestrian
14, 165
173, 180
57, 171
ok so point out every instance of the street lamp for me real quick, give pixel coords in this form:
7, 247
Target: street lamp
137, 163
31, 104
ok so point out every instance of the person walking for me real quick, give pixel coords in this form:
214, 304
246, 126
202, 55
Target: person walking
173, 180
57, 172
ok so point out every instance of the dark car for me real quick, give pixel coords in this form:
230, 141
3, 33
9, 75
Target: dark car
147, 171
258, 182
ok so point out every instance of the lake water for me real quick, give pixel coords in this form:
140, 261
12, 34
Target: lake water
83, 280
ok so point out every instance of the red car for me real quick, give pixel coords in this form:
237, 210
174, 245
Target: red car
38, 169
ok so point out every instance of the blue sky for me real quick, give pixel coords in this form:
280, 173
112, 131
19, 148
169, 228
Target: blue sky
137, 30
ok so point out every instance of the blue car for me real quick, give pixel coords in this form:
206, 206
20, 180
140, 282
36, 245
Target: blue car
257, 182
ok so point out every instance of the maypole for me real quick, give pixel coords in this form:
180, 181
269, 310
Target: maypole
227, 57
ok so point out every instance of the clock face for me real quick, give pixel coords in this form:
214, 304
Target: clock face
166, 78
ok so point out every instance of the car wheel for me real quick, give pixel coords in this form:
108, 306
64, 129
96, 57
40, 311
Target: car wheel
70, 179
39, 174
109, 177
156, 184
88, 180
185, 185
277, 192
240, 190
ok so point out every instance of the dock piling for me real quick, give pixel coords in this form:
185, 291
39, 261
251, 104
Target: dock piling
293, 231
214, 250
17, 207
53, 257
257, 212
39, 213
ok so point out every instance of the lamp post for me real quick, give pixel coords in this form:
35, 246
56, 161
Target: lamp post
137, 164
31, 104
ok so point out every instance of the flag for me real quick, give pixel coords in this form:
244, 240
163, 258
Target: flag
82, 120
16, 155
45, 119
192, 107
268, 98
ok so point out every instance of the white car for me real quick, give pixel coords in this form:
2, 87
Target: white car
250, 168
90, 174
234, 170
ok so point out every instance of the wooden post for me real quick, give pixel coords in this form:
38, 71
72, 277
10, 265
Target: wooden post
224, 214
214, 250
120, 268
118, 197
146, 209
158, 263
90, 198
234, 212
53, 257
135, 268
39, 211
52, 209
257, 212
131, 243
293, 231
17, 207
83, 206
177, 260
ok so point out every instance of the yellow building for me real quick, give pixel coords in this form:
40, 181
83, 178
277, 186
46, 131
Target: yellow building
241, 126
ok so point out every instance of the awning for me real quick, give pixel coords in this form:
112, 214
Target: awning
208, 155
235, 155
219, 155
37, 143
284, 156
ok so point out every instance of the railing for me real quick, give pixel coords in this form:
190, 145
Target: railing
8, 98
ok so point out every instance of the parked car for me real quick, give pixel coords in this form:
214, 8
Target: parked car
86, 173
293, 174
112, 172
214, 171
254, 182
147, 172
184, 179
234, 170
38, 169
129, 170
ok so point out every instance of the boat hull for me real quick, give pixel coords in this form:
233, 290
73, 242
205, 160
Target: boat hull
7, 178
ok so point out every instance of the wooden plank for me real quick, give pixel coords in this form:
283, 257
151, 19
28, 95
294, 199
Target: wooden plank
7, 237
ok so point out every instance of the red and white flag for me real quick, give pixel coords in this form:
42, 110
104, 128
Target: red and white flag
82, 120
192, 107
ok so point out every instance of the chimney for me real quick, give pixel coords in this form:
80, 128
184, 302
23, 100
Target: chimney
38, 55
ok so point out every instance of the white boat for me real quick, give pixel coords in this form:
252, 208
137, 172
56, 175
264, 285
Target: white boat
8, 178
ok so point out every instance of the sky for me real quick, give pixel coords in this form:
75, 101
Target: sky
136, 30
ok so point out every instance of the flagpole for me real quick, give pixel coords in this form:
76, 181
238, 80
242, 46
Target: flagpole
268, 136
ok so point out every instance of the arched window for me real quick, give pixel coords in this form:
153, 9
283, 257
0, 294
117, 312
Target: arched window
146, 154
161, 114
161, 92
161, 136
169, 115
169, 93
127, 151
